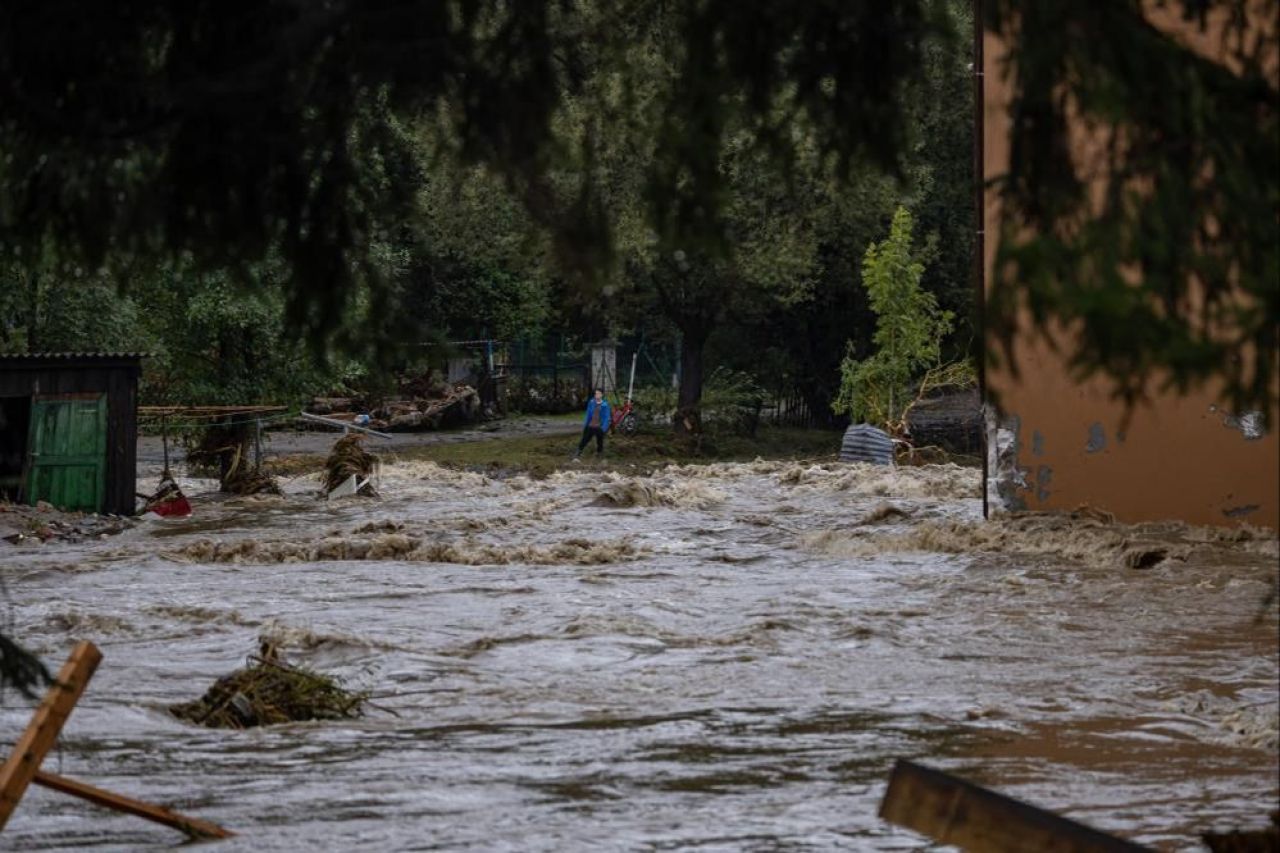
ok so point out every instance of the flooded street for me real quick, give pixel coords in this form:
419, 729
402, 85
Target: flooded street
726, 657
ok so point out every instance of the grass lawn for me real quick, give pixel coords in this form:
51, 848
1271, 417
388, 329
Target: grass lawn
540, 455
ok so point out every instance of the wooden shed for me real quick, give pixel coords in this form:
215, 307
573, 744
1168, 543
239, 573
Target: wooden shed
69, 429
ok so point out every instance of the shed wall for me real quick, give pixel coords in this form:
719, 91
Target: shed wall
118, 379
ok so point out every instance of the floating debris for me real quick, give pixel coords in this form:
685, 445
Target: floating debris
348, 459
27, 525
243, 479
167, 500
252, 483
270, 692
422, 401
227, 447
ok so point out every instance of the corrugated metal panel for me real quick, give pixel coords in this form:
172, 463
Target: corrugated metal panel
865, 443
71, 356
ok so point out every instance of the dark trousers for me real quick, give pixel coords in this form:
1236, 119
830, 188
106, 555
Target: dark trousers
587, 432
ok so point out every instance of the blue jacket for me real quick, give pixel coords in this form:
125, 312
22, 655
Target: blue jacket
604, 414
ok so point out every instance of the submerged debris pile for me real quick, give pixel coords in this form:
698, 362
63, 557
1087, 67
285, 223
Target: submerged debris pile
450, 406
208, 448
269, 692
348, 459
21, 524
227, 447
242, 480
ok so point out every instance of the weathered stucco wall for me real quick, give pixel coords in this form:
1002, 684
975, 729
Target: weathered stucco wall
1065, 443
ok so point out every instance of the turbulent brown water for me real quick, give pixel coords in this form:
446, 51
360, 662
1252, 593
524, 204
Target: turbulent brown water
717, 658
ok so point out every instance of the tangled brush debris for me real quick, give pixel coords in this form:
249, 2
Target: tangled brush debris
245, 481
348, 458
210, 448
227, 447
269, 692
423, 401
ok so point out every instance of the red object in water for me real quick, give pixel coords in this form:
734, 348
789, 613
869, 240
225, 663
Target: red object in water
172, 507
168, 501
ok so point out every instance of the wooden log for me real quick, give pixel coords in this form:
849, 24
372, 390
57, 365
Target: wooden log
42, 732
193, 827
952, 811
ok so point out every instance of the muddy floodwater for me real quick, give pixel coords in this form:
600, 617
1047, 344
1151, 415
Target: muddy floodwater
718, 658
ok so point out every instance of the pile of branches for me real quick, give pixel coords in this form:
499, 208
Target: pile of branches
422, 401
213, 447
246, 479
226, 448
459, 404
269, 692
348, 458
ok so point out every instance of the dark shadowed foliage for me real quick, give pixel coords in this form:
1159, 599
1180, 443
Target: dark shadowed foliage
1155, 267
225, 131
223, 134
20, 669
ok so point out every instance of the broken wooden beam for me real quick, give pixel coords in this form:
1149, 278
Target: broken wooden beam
952, 811
42, 732
193, 827
23, 764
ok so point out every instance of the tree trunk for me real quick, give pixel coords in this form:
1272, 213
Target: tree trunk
689, 400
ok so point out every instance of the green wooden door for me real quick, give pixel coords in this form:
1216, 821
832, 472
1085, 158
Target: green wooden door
68, 451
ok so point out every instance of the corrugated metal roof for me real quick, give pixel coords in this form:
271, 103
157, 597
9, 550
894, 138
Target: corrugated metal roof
69, 356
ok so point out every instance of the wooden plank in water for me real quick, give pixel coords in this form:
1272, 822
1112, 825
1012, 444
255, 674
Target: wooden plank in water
193, 827
952, 811
42, 732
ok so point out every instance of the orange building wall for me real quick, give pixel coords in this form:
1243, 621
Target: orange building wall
1178, 457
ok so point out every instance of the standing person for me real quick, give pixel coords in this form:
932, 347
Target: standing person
596, 423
